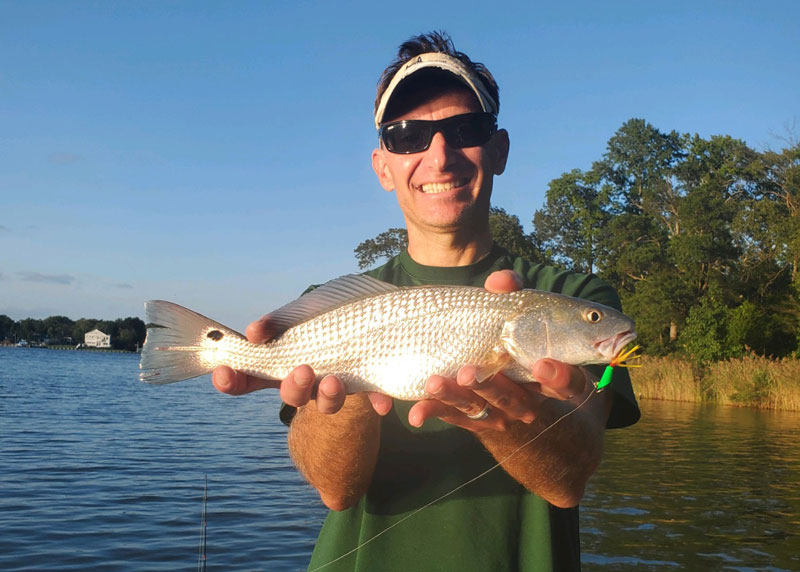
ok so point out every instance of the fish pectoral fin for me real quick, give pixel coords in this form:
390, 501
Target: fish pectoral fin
496, 365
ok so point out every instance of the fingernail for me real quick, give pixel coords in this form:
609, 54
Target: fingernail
330, 394
544, 371
303, 379
517, 279
467, 379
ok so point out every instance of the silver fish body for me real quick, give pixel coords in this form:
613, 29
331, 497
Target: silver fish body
378, 337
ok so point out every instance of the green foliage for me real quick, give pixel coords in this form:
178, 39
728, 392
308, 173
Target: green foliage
7, 326
706, 329
385, 245
507, 231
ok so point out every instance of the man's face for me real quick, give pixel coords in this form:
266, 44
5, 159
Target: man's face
443, 189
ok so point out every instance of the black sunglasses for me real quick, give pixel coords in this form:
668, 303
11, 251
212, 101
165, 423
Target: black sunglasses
415, 135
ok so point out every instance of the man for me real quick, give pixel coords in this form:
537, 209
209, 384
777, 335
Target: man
375, 462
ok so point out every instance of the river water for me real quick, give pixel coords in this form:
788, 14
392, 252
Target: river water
101, 472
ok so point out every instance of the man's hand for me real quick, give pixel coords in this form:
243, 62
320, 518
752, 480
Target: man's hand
454, 400
300, 385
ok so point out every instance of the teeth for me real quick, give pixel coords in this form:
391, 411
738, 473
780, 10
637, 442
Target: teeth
433, 188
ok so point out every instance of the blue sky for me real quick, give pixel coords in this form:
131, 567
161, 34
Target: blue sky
217, 154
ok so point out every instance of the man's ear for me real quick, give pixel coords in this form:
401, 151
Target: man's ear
498, 151
382, 170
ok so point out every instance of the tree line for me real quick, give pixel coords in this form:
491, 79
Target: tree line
700, 236
126, 333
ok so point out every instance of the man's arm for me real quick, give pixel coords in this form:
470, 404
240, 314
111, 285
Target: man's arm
335, 453
558, 464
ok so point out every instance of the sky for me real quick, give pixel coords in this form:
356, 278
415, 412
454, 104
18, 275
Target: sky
217, 154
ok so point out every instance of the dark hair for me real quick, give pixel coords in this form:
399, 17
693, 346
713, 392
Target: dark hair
434, 42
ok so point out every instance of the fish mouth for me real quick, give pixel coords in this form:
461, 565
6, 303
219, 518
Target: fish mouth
610, 348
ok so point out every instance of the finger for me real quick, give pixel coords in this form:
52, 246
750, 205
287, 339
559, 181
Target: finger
232, 382
500, 393
503, 281
297, 387
262, 331
381, 403
450, 393
426, 409
330, 394
558, 379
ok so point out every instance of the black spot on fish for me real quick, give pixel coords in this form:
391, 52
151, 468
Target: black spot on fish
215, 335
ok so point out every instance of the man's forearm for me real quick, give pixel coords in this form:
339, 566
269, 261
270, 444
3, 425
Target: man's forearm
337, 453
557, 465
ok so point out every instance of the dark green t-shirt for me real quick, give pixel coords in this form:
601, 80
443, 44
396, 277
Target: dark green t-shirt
492, 524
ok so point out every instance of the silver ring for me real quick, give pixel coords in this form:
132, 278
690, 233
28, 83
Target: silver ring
482, 414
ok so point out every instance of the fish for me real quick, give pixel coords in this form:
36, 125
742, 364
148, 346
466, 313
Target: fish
375, 336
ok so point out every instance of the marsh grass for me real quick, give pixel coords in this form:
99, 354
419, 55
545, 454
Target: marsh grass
751, 381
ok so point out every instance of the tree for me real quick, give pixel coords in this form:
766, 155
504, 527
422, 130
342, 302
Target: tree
507, 231
637, 164
7, 326
574, 216
385, 245
131, 333
780, 186
58, 329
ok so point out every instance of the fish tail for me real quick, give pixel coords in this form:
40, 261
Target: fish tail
179, 343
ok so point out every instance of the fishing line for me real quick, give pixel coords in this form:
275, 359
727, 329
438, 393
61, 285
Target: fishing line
461, 486
201, 557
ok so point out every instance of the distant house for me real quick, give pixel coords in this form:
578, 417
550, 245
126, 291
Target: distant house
97, 339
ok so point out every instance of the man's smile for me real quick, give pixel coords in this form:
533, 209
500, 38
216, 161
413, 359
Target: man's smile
435, 188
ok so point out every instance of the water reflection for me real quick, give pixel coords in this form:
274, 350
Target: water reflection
697, 487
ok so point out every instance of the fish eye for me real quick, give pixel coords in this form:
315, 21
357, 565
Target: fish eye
215, 335
593, 316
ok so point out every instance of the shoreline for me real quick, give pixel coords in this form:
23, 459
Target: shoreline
749, 381
68, 348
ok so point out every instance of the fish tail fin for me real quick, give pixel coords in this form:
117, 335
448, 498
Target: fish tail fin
179, 343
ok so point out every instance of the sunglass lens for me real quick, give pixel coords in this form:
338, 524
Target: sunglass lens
407, 137
470, 131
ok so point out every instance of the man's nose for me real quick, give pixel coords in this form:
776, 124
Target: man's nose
440, 152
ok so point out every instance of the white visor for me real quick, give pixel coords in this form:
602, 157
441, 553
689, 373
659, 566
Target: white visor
446, 63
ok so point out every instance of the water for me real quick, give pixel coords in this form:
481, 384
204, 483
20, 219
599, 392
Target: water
101, 472
696, 487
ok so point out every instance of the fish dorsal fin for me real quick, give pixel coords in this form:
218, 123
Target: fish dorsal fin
337, 292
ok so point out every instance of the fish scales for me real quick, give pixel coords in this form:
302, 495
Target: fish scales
400, 338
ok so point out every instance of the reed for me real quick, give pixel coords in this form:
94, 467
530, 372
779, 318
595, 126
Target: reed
751, 381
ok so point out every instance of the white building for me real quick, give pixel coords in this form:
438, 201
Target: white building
97, 339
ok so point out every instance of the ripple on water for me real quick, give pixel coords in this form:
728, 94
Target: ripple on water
706, 485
